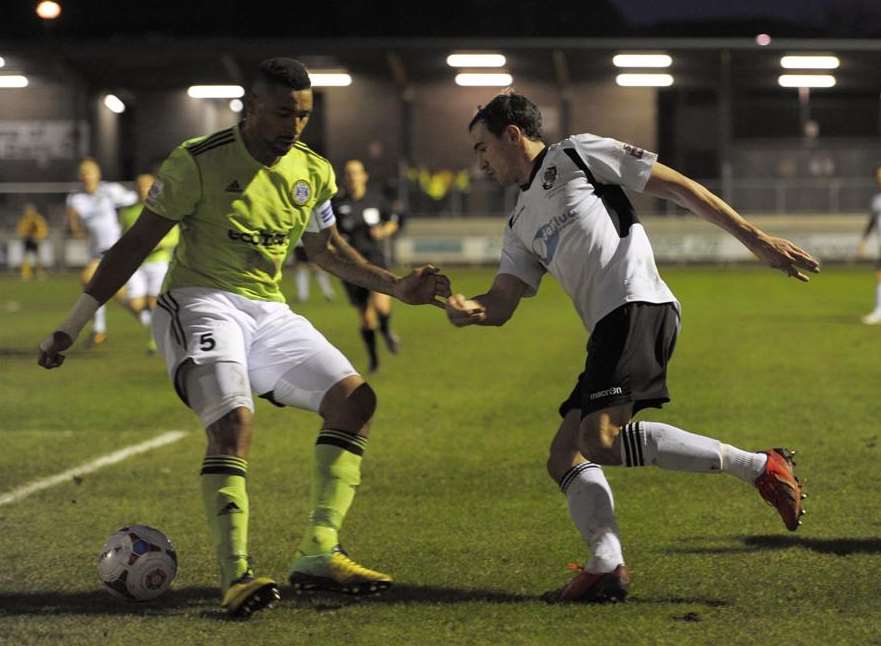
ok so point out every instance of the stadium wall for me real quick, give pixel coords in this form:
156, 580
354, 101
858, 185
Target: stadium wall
477, 241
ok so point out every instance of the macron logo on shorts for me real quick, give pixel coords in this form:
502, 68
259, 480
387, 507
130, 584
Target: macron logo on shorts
614, 390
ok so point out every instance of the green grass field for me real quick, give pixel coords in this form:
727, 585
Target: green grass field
455, 502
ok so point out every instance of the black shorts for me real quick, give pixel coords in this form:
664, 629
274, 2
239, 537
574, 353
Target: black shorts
30, 245
300, 254
627, 356
360, 296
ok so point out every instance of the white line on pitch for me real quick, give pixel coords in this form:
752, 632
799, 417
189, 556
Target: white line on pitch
105, 460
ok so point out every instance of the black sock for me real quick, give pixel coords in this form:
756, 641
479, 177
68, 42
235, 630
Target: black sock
383, 322
369, 337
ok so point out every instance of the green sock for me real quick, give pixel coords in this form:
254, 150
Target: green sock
335, 475
226, 507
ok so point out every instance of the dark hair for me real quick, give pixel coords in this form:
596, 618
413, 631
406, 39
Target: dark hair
510, 109
286, 72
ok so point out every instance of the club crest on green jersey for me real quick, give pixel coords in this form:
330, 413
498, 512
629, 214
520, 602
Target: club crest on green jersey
302, 192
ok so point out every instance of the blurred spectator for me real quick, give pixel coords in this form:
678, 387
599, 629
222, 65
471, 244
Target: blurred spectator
32, 229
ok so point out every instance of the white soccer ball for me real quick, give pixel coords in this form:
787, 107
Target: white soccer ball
137, 563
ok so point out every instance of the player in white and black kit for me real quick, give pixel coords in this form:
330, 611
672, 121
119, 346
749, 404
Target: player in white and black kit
874, 224
366, 222
572, 219
92, 212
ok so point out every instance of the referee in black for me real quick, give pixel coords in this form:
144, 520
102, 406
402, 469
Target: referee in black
366, 221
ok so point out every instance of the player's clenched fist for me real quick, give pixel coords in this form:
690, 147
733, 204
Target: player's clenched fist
422, 285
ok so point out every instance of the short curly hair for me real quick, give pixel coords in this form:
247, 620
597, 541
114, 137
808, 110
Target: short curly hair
287, 72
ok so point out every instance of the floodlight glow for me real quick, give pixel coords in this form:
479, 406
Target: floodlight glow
236, 105
13, 80
642, 60
216, 91
644, 80
809, 62
48, 10
484, 80
330, 79
476, 60
114, 104
806, 80
2, 61
763, 40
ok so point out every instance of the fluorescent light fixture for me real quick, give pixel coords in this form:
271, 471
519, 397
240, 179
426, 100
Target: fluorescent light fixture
114, 104
644, 80
330, 79
236, 105
806, 80
216, 91
476, 60
642, 60
809, 62
48, 10
13, 80
484, 80
2, 61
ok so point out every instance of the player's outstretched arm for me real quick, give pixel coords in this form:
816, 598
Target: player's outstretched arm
329, 251
115, 268
493, 308
778, 253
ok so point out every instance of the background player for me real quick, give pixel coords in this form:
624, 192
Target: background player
366, 222
873, 317
225, 330
572, 219
91, 213
143, 288
302, 268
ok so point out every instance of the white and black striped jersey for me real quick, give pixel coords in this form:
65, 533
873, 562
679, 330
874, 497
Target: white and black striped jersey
573, 219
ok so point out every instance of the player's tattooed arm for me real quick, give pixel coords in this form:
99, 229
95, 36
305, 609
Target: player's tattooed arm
332, 253
115, 268
776, 252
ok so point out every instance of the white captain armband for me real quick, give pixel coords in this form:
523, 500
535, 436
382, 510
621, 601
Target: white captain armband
322, 218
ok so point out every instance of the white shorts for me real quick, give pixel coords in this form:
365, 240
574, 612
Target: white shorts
267, 338
147, 280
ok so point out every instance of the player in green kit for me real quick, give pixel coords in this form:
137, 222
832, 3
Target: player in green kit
241, 198
144, 286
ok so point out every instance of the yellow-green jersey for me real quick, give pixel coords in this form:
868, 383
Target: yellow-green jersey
162, 253
237, 217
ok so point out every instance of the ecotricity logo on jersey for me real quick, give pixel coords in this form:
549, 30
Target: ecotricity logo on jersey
544, 244
258, 238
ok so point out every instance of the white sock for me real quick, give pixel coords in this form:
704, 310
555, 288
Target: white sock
878, 297
99, 324
668, 447
746, 465
145, 317
303, 284
323, 279
592, 509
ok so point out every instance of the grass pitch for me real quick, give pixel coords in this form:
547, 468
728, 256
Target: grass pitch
455, 502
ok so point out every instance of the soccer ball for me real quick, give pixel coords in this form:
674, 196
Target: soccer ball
137, 563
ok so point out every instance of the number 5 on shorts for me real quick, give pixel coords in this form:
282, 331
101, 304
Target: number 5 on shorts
207, 342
